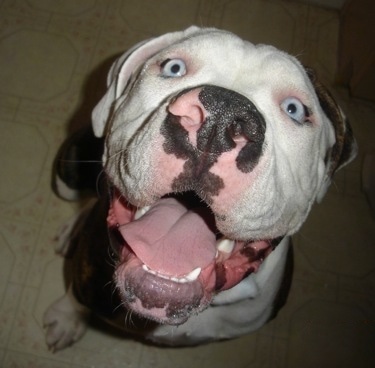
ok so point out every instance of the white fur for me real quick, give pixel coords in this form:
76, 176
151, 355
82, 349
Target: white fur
65, 322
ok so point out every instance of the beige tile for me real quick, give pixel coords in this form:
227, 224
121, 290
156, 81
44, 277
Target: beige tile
270, 352
65, 108
279, 352
210, 13
7, 260
321, 39
17, 15
43, 255
8, 107
301, 292
337, 241
363, 300
9, 301
329, 328
15, 359
347, 182
100, 349
362, 285
80, 31
362, 115
31, 206
23, 152
69, 7
19, 240
236, 353
326, 46
35, 64
305, 268
125, 25
138, 15
261, 21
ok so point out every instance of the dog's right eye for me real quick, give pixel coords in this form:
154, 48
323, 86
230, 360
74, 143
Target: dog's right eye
295, 109
173, 68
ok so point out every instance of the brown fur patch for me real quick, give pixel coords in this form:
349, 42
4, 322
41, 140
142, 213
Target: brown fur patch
342, 150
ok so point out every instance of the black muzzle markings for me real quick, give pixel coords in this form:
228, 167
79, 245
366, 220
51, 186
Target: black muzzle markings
231, 117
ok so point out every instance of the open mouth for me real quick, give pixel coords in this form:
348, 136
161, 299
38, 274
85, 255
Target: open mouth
172, 258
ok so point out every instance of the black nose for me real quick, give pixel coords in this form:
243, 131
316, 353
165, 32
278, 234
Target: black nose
232, 120
204, 122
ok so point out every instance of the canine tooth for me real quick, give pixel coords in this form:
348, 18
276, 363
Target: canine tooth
147, 269
225, 245
193, 275
140, 212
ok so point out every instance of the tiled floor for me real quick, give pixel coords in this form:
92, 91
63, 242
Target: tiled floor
50, 53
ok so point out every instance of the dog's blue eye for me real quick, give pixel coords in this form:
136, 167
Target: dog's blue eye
172, 68
295, 109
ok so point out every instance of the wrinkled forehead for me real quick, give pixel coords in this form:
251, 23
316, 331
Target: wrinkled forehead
240, 60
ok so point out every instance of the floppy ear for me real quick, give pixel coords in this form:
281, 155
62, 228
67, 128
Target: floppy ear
123, 69
345, 148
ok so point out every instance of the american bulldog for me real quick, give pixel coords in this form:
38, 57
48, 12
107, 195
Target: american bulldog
214, 151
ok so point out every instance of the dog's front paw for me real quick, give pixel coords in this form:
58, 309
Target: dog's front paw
64, 323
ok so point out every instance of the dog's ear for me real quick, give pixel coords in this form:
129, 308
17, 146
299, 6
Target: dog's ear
122, 70
345, 148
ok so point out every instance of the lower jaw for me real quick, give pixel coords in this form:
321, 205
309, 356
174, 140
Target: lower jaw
158, 299
168, 302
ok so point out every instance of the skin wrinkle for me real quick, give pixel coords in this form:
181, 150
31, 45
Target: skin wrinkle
281, 155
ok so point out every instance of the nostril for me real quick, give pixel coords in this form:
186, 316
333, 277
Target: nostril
189, 117
189, 109
235, 129
237, 133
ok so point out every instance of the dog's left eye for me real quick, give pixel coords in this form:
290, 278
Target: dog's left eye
295, 109
172, 68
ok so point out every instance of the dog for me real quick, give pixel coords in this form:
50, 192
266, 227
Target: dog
213, 151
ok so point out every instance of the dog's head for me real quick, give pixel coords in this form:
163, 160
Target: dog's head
216, 149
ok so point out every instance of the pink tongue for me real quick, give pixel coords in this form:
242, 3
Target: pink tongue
171, 239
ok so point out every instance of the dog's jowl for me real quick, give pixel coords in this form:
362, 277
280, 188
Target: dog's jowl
214, 151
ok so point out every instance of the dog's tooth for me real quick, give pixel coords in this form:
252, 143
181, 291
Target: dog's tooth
140, 212
193, 275
225, 245
147, 269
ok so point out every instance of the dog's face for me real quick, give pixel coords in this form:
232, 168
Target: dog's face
216, 149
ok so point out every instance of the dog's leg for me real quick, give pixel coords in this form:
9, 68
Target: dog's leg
70, 231
66, 319
65, 322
